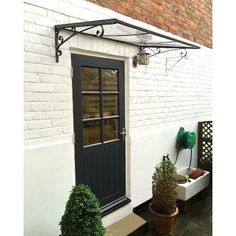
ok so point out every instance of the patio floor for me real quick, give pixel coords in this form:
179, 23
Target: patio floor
197, 222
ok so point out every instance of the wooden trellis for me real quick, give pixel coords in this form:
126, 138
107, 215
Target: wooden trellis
205, 134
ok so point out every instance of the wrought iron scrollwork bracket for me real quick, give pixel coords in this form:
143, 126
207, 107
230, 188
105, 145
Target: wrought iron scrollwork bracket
59, 39
157, 50
182, 55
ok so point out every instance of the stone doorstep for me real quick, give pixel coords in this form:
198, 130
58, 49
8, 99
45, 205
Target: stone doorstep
129, 225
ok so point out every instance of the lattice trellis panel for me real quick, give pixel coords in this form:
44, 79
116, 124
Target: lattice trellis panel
205, 134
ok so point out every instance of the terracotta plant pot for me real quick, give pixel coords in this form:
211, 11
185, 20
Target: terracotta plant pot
163, 223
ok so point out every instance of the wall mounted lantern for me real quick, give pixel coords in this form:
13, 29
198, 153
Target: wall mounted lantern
142, 58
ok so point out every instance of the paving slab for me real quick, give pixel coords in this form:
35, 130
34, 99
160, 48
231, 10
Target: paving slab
130, 225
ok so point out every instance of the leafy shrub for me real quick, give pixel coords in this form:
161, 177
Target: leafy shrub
164, 187
82, 215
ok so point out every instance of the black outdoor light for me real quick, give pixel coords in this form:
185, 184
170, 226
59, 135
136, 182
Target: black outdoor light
142, 58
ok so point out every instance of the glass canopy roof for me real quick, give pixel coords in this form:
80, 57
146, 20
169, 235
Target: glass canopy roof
120, 31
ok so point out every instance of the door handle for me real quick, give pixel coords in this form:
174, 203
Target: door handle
123, 134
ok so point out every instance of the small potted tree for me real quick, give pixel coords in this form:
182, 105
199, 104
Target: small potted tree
164, 189
82, 214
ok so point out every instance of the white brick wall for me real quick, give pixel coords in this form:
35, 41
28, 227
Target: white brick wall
47, 91
155, 98
183, 95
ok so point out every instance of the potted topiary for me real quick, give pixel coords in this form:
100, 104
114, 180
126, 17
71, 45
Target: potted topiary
164, 189
82, 214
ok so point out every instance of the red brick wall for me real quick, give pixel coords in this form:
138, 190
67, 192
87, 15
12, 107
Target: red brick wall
190, 19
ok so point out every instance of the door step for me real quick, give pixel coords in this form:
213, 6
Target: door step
131, 225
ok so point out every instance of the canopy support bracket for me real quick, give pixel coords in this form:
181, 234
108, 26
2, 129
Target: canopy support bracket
183, 54
59, 39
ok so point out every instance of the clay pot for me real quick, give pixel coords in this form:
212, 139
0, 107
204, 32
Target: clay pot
163, 223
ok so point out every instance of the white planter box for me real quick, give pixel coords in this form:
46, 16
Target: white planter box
188, 190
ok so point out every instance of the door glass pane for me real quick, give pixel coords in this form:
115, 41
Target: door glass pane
110, 105
91, 106
110, 129
90, 79
91, 132
109, 80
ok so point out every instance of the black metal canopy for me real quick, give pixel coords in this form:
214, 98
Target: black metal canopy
120, 31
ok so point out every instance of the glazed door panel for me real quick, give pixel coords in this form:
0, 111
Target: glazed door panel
99, 118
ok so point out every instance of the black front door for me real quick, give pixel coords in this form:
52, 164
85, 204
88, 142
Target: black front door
99, 122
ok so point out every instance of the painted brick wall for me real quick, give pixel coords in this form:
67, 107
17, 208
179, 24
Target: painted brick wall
159, 98
155, 98
191, 19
